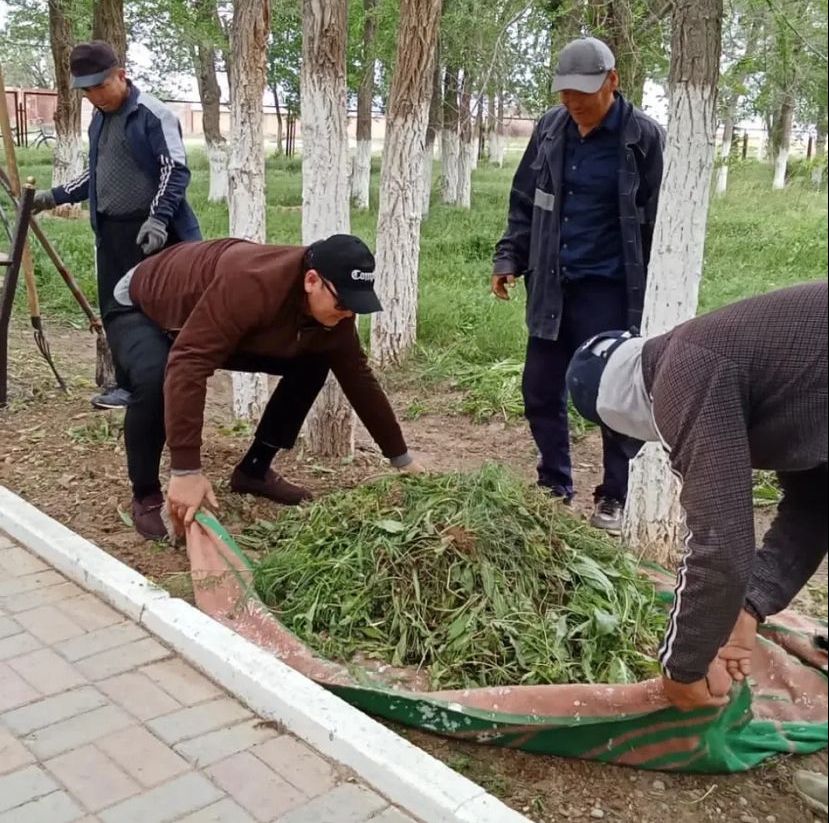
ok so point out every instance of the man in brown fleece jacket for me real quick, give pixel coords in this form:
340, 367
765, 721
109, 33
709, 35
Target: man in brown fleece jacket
233, 304
741, 388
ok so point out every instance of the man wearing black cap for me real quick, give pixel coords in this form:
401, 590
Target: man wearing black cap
233, 304
135, 182
579, 230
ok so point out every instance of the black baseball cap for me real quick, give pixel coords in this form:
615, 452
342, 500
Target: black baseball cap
346, 263
90, 63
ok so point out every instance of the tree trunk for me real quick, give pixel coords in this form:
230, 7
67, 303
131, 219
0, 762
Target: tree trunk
204, 62
394, 330
613, 21
497, 138
68, 158
652, 515
325, 184
820, 146
783, 140
108, 25
361, 171
432, 130
467, 146
280, 129
449, 139
246, 168
725, 147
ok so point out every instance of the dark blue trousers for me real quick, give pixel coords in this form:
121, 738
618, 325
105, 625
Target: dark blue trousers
590, 306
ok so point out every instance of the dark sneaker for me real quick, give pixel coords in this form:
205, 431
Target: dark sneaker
116, 398
146, 516
557, 494
607, 515
272, 486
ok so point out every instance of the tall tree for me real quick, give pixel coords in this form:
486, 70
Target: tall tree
652, 519
432, 131
208, 30
108, 25
325, 184
449, 136
467, 145
68, 157
361, 171
393, 331
246, 170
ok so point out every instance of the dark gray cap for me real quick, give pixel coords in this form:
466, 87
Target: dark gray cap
583, 66
90, 63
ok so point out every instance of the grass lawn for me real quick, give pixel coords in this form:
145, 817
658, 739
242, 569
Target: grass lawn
758, 240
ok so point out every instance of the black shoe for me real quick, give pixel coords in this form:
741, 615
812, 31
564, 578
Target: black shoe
112, 398
146, 517
608, 514
272, 486
557, 494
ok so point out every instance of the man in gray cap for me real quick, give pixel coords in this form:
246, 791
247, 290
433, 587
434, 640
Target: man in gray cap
135, 182
579, 230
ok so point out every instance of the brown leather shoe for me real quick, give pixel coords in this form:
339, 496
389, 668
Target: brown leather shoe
272, 486
146, 517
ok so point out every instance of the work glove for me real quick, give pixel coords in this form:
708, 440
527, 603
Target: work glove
151, 236
43, 201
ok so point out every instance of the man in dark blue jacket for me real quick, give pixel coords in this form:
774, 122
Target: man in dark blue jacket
579, 230
135, 182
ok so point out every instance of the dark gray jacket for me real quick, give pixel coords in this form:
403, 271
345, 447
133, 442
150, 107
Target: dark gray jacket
530, 245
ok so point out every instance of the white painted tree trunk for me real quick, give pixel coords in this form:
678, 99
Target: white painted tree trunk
652, 521
450, 153
67, 164
217, 158
426, 179
725, 153
325, 184
246, 165
466, 163
394, 330
763, 146
497, 149
361, 175
781, 163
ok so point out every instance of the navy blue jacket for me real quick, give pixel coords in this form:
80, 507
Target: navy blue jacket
530, 245
154, 136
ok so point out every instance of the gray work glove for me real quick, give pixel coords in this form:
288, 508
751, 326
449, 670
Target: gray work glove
43, 201
151, 236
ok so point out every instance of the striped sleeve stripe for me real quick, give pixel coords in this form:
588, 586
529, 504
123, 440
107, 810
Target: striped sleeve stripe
77, 182
166, 171
169, 126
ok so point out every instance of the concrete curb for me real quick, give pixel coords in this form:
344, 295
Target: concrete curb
405, 774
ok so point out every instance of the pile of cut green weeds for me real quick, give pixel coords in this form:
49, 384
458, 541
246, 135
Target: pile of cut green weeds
479, 578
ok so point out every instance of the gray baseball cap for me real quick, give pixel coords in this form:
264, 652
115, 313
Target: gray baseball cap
583, 65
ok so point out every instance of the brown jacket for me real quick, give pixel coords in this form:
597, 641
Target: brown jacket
226, 297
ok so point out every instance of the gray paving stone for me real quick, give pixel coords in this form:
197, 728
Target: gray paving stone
9, 627
89, 612
347, 803
17, 562
47, 672
6, 542
165, 803
197, 720
91, 777
49, 624
298, 764
77, 731
29, 583
136, 693
14, 690
392, 815
181, 681
142, 755
13, 754
57, 807
17, 645
100, 640
40, 597
53, 709
23, 785
255, 787
122, 659
214, 746
225, 811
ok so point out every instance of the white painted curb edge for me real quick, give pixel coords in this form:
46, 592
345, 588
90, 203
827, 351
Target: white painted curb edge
408, 776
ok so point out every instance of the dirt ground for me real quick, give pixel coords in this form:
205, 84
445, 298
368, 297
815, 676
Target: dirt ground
62, 456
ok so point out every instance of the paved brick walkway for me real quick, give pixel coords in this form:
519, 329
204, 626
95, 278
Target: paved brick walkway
101, 722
